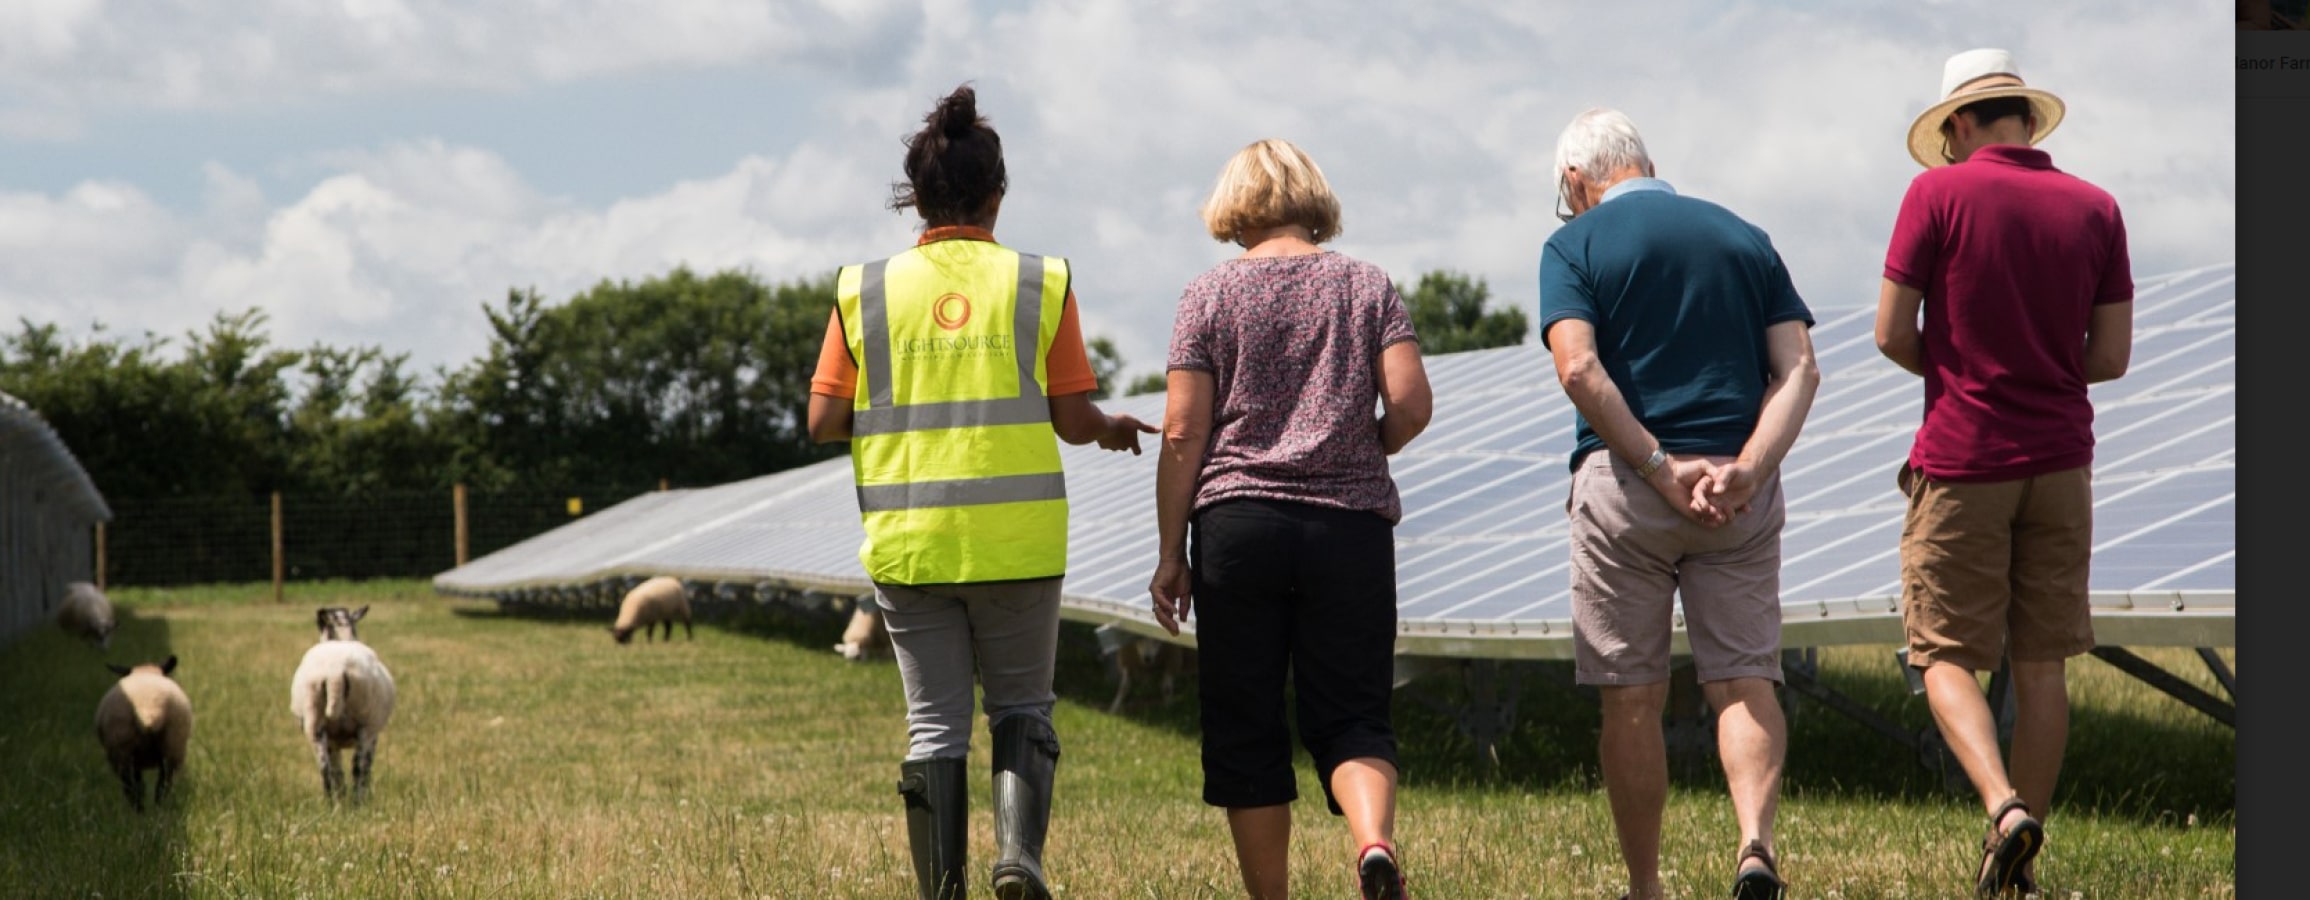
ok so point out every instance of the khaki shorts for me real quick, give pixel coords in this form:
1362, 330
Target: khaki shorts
1992, 567
1633, 555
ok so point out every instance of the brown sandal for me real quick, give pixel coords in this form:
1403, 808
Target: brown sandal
1758, 884
2004, 855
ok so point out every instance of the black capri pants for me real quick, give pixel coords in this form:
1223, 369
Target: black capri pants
1288, 590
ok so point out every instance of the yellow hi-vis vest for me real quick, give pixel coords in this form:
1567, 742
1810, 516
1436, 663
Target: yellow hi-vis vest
950, 433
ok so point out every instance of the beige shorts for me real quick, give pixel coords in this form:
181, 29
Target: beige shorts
1634, 557
1992, 566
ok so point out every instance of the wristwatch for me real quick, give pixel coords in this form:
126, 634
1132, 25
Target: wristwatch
1652, 463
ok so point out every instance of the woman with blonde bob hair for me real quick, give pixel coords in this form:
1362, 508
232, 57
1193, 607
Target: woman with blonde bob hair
1270, 184
1275, 460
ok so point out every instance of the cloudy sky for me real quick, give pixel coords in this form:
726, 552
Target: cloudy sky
370, 172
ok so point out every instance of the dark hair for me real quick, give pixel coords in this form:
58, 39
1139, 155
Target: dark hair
1995, 108
954, 165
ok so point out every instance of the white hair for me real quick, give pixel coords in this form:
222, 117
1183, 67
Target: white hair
1601, 141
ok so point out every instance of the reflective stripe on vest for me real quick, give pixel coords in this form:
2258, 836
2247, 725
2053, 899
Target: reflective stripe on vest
962, 492
881, 417
957, 469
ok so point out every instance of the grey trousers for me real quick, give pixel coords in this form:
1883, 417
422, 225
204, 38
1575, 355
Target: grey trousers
1005, 633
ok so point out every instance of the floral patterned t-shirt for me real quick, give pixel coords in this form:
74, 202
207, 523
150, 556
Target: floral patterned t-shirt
1293, 346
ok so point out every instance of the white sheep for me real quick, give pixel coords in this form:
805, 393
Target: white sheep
144, 722
658, 600
865, 638
1142, 656
87, 614
342, 695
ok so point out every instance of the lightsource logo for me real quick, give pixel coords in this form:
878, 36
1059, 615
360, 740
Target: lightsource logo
951, 311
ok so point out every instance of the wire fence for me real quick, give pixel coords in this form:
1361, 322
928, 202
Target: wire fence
166, 541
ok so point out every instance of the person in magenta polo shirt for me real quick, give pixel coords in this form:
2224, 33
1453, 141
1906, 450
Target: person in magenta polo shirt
2007, 288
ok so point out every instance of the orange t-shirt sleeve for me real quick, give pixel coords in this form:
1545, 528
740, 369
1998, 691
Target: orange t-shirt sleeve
1068, 369
837, 374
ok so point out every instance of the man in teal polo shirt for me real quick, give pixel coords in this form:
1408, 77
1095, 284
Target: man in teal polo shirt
1678, 335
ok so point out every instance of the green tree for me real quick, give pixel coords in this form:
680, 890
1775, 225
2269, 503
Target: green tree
360, 426
1106, 365
1150, 383
494, 410
1447, 310
694, 379
213, 421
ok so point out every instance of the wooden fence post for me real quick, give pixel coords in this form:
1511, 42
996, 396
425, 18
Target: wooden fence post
661, 484
100, 556
278, 567
457, 501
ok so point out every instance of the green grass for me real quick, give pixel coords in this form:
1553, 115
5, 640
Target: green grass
533, 757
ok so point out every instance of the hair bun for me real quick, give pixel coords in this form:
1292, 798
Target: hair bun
957, 113
953, 165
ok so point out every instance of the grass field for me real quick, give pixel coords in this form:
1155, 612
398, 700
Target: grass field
533, 757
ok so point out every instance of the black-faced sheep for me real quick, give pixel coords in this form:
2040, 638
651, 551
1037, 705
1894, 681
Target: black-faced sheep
342, 697
658, 600
87, 614
144, 722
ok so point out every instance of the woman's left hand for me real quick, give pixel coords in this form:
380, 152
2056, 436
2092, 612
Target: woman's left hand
1173, 590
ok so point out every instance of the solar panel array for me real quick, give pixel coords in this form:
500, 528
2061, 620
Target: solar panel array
1481, 552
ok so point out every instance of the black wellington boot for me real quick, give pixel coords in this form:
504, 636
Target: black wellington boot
1026, 757
937, 823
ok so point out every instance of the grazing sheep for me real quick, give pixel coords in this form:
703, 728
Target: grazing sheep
865, 638
86, 614
342, 695
144, 722
658, 600
1143, 656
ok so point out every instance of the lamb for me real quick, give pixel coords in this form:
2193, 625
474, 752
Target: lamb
865, 638
86, 614
144, 722
1141, 656
658, 600
342, 696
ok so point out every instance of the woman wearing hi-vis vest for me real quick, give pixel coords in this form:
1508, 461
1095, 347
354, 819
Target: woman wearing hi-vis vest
950, 368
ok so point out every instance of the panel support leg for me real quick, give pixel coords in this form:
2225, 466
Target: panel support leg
2221, 671
2175, 687
1491, 709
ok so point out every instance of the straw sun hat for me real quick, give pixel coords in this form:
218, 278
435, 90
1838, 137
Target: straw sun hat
1972, 76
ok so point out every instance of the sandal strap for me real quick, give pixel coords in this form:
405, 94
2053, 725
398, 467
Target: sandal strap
1998, 818
1756, 850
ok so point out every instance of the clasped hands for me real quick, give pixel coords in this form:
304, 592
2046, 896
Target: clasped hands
1709, 490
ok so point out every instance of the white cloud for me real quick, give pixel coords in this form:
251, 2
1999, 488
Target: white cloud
1436, 124
401, 246
99, 252
404, 246
68, 58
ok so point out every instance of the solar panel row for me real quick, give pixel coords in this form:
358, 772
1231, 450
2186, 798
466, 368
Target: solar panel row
1481, 551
